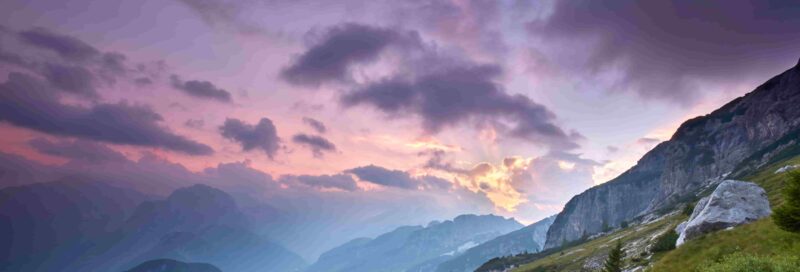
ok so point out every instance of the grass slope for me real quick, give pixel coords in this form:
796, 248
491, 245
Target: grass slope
635, 241
761, 238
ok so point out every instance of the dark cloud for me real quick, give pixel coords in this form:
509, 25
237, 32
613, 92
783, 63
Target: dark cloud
222, 13
27, 102
385, 177
65, 46
72, 79
338, 181
77, 150
262, 136
114, 62
317, 144
201, 89
454, 95
339, 48
143, 81
315, 124
195, 123
664, 47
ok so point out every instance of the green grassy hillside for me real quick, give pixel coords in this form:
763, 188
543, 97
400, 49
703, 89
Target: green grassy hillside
759, 239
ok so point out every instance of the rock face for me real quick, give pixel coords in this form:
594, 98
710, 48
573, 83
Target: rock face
733, 203
760, 127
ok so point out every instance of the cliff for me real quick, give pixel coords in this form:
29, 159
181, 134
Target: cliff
760, 127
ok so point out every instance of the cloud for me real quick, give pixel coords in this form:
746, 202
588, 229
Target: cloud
455, 95
317, 144
201, 89
663, 48
68, 47
315, 124
221, 13
72, 79
195, 123
263, 136
339, 48
386, 177
339, 181
77, 150
27, 102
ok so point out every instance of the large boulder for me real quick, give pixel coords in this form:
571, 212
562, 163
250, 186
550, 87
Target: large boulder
731, 204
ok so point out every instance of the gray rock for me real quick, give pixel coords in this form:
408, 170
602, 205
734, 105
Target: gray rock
733, 203
787, 168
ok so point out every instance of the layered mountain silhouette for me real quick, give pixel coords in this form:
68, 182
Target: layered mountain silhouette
74, 226
415, 248
528, 239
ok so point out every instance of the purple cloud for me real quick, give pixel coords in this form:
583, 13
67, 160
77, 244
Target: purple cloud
317, 144
263, 136
68, 47
27, 102
315, 124
340, 47
201, 89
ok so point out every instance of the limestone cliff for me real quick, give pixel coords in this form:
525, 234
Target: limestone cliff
760, 127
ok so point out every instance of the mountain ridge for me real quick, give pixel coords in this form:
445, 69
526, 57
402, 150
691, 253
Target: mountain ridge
751, 129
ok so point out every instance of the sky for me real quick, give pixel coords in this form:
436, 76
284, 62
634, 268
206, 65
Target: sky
354, 117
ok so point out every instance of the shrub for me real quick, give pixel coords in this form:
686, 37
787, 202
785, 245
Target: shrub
614, 261
665, 242
787, 216
740, 262
688, 209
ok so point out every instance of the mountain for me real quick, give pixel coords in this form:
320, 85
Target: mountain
748, 132
168, 265
407, 248
45, 225
187, 209
82, 226
529, 239
204, 224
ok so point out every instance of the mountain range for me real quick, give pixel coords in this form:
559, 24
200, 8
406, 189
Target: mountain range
96, 227
415, 248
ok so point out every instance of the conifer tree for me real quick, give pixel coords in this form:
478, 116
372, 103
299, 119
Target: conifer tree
614, 261
787, 216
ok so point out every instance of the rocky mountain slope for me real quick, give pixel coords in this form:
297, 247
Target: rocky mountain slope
528, 239
415, 248
751, 131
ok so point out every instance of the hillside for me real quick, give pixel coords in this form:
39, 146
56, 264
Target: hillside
749, 138
760, 238
743, 135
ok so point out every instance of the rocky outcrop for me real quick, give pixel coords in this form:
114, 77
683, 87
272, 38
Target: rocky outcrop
733, 203
786, 168
748, 132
